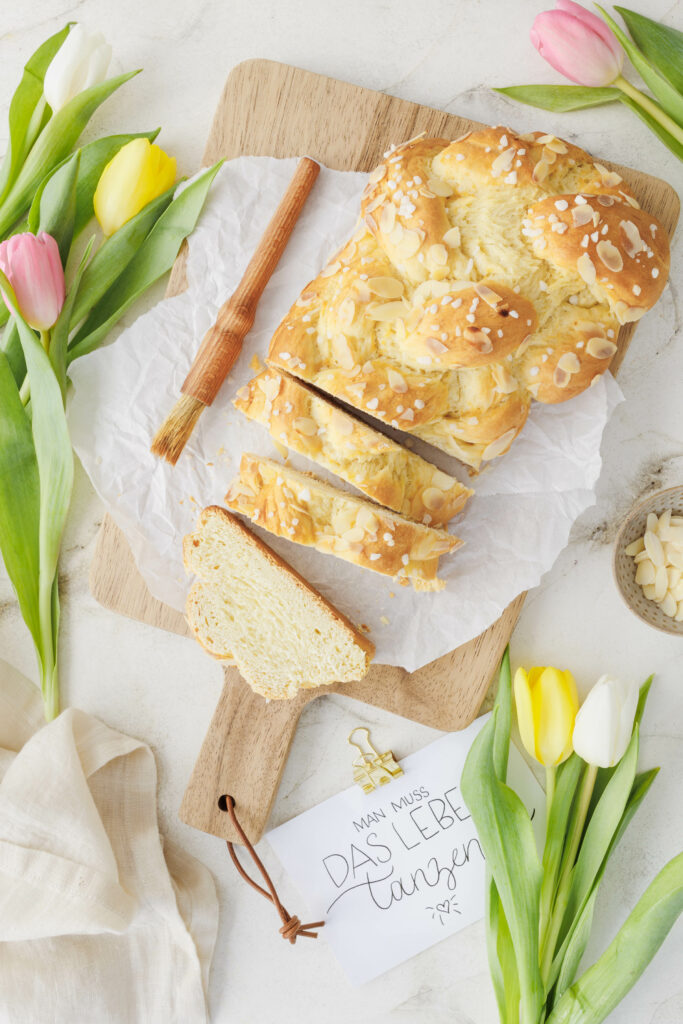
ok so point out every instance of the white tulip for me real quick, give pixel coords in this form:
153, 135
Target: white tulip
81, 61
604, 724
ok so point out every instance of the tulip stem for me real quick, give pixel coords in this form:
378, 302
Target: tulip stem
562, 897
25, 392
550, 776
652, 108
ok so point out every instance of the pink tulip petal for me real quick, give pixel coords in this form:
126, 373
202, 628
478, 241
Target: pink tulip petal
575, 51
592, 21
34, 269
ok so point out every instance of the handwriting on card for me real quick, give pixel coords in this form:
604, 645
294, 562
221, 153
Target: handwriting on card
415, 818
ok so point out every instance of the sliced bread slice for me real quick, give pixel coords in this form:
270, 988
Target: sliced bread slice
380, 467
304, 509
251, 605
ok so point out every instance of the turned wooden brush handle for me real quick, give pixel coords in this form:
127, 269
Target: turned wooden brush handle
222, 343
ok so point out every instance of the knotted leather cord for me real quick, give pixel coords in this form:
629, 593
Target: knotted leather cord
292, 927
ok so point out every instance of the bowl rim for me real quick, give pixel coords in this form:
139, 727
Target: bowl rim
674, 629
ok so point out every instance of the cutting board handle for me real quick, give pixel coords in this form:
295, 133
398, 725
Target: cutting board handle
243, 755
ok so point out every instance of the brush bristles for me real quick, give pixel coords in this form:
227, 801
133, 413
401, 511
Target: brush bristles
176, 429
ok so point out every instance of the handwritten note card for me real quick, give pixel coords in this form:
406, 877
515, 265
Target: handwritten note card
394, 871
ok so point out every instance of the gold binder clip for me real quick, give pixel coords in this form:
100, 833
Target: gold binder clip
371, 770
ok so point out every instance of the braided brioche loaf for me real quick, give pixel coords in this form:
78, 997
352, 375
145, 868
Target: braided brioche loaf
484, 273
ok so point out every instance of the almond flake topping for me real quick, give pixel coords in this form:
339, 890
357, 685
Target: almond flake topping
609, 255
386, 287
586, 269
503, 162
600, 348
634, 243
452, 238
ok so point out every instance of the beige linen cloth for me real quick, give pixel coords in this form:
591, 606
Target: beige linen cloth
99, 922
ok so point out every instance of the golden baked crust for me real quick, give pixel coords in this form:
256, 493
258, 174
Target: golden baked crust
303, 509
386, 471
484, 273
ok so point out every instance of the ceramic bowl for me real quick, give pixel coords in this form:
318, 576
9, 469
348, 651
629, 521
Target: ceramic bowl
625, 568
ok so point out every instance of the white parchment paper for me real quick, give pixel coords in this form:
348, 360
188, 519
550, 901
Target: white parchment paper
514, 527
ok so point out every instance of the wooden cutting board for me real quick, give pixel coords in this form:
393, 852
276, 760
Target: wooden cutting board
270, 109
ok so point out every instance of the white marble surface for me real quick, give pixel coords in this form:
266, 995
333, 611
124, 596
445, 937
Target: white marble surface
163, 689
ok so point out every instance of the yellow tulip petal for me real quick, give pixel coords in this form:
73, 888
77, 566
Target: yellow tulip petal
137, 174
556, 704
525, 714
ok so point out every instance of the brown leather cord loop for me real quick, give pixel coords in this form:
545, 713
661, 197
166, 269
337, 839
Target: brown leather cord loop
292, 927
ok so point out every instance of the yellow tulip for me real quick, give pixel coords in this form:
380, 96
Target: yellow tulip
137, 174
547, 703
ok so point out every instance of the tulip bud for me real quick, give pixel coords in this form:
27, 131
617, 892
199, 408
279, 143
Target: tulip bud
547, 703
578, 44
138, 173
33, 267
81, 61
604, 724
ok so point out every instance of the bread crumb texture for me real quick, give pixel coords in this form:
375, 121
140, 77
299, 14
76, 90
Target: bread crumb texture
247, 603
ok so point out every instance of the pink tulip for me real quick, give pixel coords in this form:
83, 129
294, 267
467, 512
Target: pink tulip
578, 44
32, 265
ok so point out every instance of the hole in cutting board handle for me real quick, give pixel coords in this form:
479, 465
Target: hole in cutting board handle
223, 802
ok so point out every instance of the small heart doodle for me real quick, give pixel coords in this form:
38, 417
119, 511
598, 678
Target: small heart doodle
445, 907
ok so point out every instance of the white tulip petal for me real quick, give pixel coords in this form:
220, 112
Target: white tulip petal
605, 721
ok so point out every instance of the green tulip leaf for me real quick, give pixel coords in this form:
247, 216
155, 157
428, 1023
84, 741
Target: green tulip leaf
501, 739
154, 258
19, 500
567, 780
54, 206
501, 955
55, 461
53, 144
59, 336
568, 958
13, 352
498, 814
560, 98
670, 99
28, 111
662, 134
662, 46
593, 997
114, 254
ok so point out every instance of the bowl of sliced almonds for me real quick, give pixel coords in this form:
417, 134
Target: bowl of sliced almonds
648, 560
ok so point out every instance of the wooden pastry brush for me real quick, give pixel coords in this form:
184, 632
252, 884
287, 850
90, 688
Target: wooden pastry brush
222, 343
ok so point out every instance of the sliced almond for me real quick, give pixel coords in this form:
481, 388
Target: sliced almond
376, 176
442, 480
440, 187
386, 311
503, 162
347, 312
609, 178
396, 382
478, 339
628, 314
569, 362
331, 269
500, 445
367, 520
433, 498
541, 170
353, 536
409, 244
600, 348
653, 546
609, 255
556, 145
582, 215
342, 352
438, 254
387, 219
606, 200
491, 298
270, 386
340, 423
452, 238
586, 268
561, 377
505, 382
646, 573
305, 425
436, 346
386, 287
633, 242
